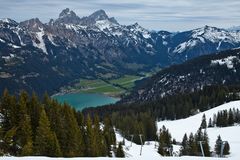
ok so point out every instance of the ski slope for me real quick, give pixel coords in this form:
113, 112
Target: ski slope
177, 128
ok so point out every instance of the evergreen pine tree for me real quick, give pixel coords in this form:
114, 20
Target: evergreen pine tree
193, 149
73, 145
206, 146
44, 136
185, 145
120, 152
8, 144
218, 145
109, 135
230, 117
101, 149
164, 142
204, 123
226, 149
24, 129
5, 111
55, 147
90, 138
25, 136
34, 111
210, 123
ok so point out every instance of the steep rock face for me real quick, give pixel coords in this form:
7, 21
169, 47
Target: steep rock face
192, 75
71, 47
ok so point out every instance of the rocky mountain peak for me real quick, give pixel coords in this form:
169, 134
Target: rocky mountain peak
33, 25
99, 15
67, 13
67, 16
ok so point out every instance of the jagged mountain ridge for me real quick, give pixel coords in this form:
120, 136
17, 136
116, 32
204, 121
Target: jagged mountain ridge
71, 47
207, 70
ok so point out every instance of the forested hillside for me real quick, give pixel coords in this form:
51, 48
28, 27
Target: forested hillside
29, 126
193, 75
139, 118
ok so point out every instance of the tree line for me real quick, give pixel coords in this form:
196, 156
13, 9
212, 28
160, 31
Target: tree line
140, 118
225, 118
191, 145
29, 126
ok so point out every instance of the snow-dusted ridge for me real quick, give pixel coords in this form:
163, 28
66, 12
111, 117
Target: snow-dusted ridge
207, 33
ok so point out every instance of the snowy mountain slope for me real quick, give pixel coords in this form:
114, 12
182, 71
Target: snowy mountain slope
148, 150
179, 127
72, 47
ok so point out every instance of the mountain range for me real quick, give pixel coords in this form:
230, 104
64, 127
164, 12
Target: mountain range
191, 76
45, 56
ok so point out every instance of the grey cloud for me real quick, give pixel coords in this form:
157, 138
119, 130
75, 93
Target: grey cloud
153, 14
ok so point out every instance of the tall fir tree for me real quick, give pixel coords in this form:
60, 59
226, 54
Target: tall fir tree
185, 145
109, 135
90, 138
218, 145
206, 146
210, 123
34, 111
44, 137
193, 149
120, 152
73, 145
226, 150
101, 150
230, 117
165, 142
24, 129
204, 122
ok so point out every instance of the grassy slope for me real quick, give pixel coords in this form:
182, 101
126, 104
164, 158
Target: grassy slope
113, 87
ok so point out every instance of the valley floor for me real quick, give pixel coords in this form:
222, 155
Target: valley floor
177, 129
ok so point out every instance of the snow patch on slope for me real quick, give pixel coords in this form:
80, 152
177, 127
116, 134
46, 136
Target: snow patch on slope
19, 37
104, 24
2, 40
41, 44
228, 61
185, 45
13, 46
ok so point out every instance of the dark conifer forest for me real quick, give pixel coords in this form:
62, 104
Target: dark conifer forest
30, 126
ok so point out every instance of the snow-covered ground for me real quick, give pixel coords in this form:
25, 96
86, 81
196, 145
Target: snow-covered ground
177, 128
105, 158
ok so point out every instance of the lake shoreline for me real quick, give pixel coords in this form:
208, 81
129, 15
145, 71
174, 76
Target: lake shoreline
63, 92
81, 101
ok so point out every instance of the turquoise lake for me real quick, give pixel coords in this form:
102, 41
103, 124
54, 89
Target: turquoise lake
82, 100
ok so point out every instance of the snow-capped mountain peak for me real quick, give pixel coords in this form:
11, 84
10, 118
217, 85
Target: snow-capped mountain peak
214, 34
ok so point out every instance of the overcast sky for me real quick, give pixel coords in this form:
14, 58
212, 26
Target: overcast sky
171, 15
